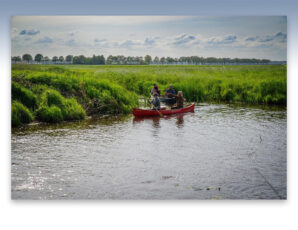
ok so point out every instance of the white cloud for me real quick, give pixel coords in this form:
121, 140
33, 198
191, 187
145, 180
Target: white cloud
140, 35
222, 40
44, 40
278, 37
183, 39
149, 42
31, 32
72, 33
96, 40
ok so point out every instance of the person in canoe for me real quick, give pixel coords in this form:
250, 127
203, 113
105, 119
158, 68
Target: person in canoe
170, 92
179, 100
155, 102
155, 90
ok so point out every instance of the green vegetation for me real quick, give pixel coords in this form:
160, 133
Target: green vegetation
20, 114
23, 95
245, 84
54, 107
57, 93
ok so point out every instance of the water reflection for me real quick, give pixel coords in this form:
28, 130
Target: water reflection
180, 121
241, 150
61, 128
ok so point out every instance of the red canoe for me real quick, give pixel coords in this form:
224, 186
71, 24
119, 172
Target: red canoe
148, 112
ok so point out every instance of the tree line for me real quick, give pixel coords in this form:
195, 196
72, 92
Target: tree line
133, 60
70, 59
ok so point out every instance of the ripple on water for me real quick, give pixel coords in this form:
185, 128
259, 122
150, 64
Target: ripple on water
174, 157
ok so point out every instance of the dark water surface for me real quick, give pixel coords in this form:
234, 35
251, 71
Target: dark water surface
217, 152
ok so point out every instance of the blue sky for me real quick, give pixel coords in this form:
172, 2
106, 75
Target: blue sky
242, 37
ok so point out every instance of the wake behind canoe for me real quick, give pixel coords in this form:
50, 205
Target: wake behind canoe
147, 112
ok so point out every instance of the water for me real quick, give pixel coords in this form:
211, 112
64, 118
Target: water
217, 152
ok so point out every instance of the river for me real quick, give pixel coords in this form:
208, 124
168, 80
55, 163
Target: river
218, 152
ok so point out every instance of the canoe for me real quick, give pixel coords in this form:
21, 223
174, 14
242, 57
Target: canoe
168, 100
148, 112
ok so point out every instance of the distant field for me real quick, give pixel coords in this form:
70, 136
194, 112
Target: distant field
248, 84
74, 90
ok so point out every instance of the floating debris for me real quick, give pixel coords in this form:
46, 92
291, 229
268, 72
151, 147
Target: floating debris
166, 177
196, 188
213, 188
147, 182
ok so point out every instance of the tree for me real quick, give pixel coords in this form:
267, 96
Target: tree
170, 60
75, 60
82, 59
162, 60
55, 59
61, 58
69, 58
156, 60
101, 60
38, 57
46, 58
109, 60
27, 57
148, 59
98, 60
16, 59
140, 60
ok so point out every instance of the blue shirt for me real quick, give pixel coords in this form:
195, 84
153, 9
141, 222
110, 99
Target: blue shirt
172, 91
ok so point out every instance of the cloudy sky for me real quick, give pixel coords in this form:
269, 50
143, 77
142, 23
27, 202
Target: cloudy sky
175, 36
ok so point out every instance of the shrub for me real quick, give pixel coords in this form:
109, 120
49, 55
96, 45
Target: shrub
74, 110
55, 108
20, 114
50, 114
23, 95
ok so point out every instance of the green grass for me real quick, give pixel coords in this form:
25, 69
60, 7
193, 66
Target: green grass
25, 96
64, 92
54, 107
246, 84
20, 114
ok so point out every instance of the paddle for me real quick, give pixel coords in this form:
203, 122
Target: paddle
160, 114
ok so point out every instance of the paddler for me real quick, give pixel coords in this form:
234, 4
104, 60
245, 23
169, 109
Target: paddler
179, 100
155, 102
155, 90
170, 93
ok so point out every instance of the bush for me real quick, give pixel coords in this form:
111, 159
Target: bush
74, 110
23, 95
55, 108
50, 114
20, 114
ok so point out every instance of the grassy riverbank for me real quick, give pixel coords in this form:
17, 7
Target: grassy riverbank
57, 93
